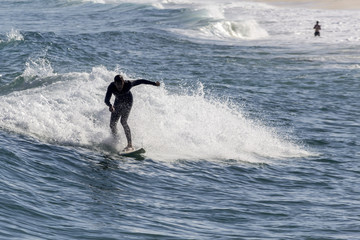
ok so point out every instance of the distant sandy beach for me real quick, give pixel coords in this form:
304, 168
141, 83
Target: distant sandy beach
322, 4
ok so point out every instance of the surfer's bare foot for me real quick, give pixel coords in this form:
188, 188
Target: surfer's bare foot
128, 148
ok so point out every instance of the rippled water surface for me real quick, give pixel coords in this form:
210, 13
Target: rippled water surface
253, 133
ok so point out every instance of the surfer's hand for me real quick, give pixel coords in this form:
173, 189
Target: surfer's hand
157, 83
111, 109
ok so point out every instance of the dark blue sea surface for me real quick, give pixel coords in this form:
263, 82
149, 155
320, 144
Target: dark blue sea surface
253, 133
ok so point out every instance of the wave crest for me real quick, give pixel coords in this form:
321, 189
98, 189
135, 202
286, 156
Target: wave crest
13, 35
248, 29
170, 126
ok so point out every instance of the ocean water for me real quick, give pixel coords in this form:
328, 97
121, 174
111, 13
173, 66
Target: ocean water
253, 133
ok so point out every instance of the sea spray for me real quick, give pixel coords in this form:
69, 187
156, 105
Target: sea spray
174, 126
11, 36
14, 35
39, 67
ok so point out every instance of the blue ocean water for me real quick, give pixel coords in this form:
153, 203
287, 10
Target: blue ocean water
253, 133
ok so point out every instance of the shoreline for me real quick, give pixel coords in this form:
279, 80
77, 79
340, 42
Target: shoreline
316, 4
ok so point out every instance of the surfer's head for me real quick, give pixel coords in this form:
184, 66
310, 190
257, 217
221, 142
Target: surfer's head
119, 82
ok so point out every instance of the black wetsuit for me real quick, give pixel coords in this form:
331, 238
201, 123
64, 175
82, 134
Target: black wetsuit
123, 103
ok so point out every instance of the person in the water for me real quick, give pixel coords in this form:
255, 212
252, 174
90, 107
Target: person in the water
317, 28
122, 104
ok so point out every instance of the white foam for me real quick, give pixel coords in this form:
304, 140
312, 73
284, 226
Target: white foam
40, 67
249, 29
14, 35
168, 125
193, 126
60, 112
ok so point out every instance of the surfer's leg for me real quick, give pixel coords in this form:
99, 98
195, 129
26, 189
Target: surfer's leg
124, 118
115, 116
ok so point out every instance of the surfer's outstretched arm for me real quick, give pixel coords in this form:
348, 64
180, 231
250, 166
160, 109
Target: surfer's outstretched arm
144, 81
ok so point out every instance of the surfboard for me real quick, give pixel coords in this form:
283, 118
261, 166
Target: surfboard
134, 152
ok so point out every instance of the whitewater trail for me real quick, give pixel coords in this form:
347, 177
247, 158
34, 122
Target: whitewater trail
181, 125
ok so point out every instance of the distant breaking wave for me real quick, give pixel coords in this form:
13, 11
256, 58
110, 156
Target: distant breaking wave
207, 20
249, 29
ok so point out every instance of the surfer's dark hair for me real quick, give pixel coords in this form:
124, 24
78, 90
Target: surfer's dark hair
118, 78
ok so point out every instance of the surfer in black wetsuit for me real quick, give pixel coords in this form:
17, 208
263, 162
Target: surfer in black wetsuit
122, 104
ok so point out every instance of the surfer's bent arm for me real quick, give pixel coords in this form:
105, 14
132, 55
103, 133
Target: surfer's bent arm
144, 81
109, 92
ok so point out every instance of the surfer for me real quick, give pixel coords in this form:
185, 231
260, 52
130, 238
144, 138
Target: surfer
122, 104
317, 28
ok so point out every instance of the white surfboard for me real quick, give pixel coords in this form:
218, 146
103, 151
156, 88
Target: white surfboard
134, 152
